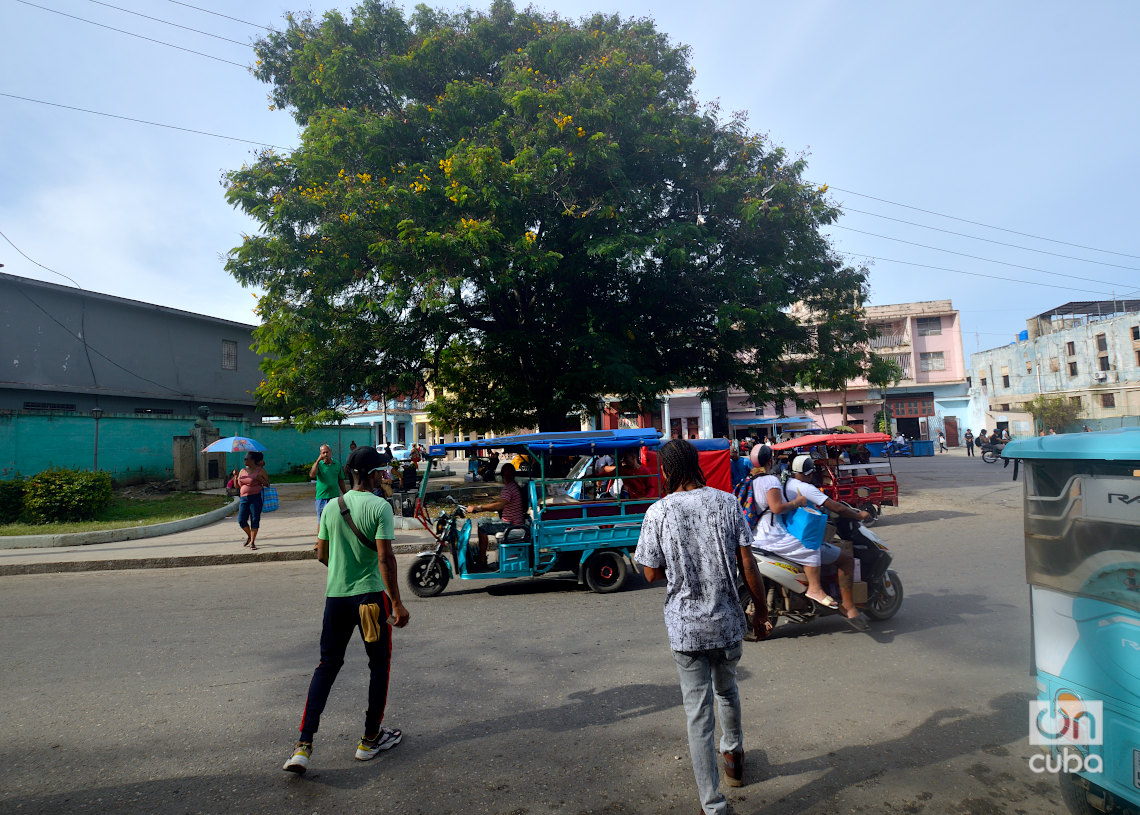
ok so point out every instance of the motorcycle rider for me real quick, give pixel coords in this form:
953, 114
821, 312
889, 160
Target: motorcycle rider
773, 537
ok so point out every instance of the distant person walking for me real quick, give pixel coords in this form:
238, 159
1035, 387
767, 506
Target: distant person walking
361, 592
329, 477
251, 481
693, 538
969, 438
941, 442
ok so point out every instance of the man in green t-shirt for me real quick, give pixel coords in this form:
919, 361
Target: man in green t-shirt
330, 479
358, 575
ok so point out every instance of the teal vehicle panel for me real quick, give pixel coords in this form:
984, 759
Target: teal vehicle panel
1104, 445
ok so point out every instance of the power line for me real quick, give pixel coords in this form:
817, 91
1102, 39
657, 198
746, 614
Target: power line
168, 22
974, 274
219, 14
976, 257
36, 262
142, 121
979, 223
132, 34
988, 240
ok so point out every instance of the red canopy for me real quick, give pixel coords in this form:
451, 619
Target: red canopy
832, 440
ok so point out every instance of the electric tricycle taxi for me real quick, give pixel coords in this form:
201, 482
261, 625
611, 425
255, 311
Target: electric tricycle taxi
1082, 562
579, 519
868, 486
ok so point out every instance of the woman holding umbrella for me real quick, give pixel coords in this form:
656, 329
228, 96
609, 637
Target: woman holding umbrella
252, 480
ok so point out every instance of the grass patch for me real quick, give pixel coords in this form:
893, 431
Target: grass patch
290, 478
125, 512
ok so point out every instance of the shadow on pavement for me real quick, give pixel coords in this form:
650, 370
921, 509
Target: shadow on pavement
946, 734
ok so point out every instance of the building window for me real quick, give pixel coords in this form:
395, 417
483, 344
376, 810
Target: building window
1108, 400
1135, 333
155, 411
1075, 401
855, 409
1005, 407
1054, 365
929, 326
1101, 342
983, 381
932, 361
1072, 369
57, 406
1028, 366
229, 355
1005, 380
1104, 363
1071, 349
969, 381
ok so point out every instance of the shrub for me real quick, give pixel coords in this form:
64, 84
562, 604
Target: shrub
11, 500
66, 495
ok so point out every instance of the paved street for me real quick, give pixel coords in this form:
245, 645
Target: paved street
179, 690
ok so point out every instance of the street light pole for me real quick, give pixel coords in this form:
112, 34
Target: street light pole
96, 413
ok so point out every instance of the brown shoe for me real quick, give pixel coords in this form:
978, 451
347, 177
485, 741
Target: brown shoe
734, 768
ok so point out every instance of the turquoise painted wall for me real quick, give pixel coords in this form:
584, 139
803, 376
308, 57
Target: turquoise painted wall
134, 447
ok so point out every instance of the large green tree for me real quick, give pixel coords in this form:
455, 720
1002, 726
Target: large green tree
525, 213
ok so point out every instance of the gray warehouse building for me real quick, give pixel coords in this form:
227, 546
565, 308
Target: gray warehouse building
64, 349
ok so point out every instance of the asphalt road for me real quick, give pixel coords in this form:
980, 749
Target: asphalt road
179, 690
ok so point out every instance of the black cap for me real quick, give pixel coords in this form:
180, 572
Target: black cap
363, 460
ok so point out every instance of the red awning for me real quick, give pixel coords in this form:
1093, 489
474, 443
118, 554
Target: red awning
832, 440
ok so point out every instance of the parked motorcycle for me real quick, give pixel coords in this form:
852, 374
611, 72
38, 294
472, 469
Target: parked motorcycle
785, 583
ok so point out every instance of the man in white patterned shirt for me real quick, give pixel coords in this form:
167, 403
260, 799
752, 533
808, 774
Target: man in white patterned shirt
693, 538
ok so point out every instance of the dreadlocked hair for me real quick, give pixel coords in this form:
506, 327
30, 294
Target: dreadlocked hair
681, 464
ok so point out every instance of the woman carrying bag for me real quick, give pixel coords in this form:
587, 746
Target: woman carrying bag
251, 480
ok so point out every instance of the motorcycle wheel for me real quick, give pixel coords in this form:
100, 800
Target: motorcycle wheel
887, 602
989, 457
427, 577
605, 572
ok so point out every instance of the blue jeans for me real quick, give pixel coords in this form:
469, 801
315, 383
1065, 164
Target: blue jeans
342, 618
249, 511
321, 502
702, 674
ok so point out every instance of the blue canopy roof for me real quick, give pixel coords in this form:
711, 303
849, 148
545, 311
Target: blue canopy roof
563, 444
1105, 445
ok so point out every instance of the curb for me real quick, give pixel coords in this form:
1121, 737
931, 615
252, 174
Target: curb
179, 562
127, 533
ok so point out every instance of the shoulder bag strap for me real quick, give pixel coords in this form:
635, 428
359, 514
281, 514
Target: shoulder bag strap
347, 515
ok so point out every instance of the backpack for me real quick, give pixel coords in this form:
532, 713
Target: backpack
748, 505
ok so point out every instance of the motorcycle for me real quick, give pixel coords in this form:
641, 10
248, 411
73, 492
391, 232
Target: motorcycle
785, 584
894, 448
992, 452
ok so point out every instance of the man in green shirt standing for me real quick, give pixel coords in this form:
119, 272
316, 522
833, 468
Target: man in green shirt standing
359, 575
330, 479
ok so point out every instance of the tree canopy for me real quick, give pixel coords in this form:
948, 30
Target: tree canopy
526, 214
1053, 412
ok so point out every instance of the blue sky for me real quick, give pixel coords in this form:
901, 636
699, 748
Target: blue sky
1021, 115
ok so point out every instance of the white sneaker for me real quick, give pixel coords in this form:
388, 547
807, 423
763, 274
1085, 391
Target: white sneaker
299, 761
387, 739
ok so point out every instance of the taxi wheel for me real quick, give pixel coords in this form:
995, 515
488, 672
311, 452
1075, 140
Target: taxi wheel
427, 577
605, 572
1075, 796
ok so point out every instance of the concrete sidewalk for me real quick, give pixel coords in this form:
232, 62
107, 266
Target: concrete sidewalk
287, 534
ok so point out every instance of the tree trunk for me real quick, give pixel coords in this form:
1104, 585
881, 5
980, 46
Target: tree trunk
845, 405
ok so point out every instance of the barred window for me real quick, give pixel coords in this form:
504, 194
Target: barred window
929, 326
229, 355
